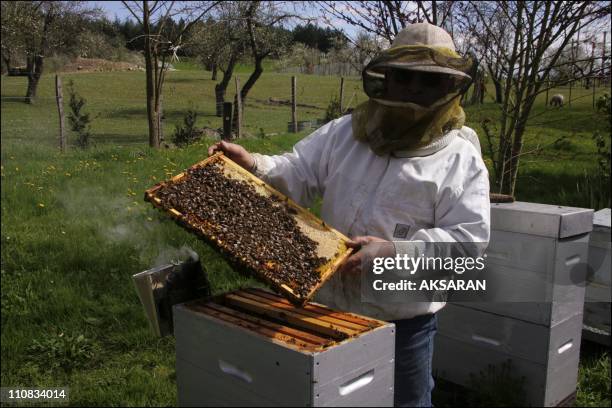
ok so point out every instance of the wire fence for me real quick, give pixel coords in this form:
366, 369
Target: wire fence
337, 69
116, 105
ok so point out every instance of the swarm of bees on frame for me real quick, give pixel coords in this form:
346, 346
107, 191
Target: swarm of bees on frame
257, 230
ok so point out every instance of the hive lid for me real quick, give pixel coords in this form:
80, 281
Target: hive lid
541, 219
601, 218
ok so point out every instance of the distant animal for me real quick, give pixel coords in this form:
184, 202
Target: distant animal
603, 103
557, 100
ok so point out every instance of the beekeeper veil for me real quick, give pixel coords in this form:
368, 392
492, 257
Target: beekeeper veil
414, 89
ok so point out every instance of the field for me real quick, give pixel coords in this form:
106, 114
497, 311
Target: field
75, 227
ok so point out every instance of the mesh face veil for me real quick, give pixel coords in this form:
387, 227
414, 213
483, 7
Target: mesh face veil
413, 101
425, 76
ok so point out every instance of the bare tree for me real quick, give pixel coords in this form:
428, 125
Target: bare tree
539, 34
160, 45
385, 19
482, 41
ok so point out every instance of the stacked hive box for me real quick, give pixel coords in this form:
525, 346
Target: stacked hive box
597, 296
536, 251
255, 348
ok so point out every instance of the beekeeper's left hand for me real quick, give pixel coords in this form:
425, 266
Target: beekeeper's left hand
366, 247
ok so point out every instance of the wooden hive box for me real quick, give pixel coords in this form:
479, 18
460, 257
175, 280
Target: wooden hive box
252, 347
331, 244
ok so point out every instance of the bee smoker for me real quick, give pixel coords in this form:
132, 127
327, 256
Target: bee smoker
162, 287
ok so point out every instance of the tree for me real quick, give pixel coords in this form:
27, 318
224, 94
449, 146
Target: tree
540, 33
34, 29
384, 19
203, 44
162, 41
220, 43
15, 18
378, 22
488, 48
265, 38
324, 39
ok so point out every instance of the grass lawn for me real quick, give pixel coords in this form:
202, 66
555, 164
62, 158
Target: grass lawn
75, 227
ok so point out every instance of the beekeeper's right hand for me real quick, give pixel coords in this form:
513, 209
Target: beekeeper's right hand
235, 152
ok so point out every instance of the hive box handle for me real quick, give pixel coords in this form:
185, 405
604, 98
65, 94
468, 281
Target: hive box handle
566, 346
486, 340
234, 371
356, 383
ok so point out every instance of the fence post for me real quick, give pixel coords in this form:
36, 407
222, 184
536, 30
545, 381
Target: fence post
603, 56
218, 101
547, 89
593, 85
160, 115
341, 94
603, 60
227, 120
238, 111
569, 100
59, 97
294, 104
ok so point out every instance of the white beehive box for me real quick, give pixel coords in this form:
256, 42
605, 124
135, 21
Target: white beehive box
597, 296
537, 252
469, 340
254, 348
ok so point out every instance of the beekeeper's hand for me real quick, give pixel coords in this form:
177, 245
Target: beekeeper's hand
366, 248
235, 152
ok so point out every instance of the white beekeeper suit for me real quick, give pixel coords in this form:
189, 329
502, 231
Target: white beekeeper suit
440, 197
402, 167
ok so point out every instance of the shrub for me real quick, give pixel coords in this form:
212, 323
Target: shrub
80, 122
187, 132
333, 110
603, 104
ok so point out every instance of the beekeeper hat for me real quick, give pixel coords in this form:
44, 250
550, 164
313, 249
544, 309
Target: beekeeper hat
425, 35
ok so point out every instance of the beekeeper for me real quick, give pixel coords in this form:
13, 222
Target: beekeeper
401, 168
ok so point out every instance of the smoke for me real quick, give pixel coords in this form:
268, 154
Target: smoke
125, 221
174, 255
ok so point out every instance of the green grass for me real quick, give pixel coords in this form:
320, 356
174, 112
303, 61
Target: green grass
75, 227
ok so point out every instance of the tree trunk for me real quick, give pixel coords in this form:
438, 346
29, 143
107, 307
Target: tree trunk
517, 147
36, 59
247, 87
498, 90
158, 116
214, 71
252, 78
221, 87
35, 67
483, 89
496, 78
151, 108
6, 58
219, 99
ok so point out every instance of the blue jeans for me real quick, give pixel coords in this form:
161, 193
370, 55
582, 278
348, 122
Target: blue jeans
414, 342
